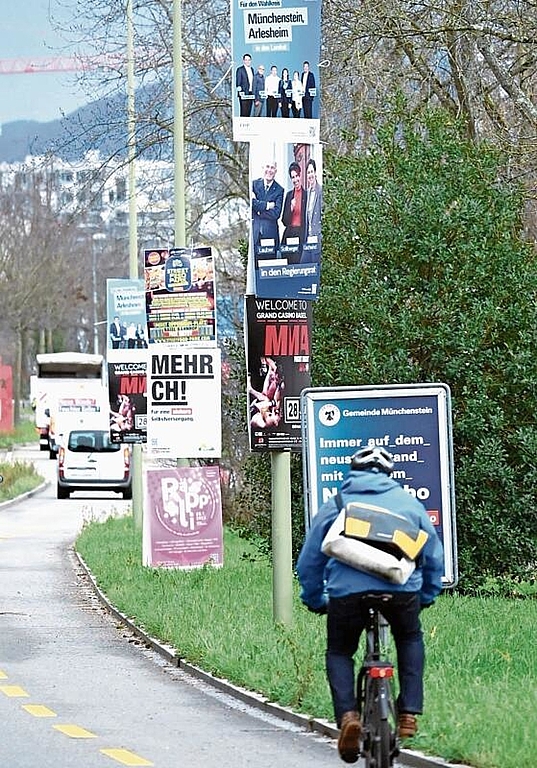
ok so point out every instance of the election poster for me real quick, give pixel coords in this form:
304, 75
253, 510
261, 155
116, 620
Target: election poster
278, 343
276, 78
127, 385
184, 401
183, 518
180, 295
413, 422
127, 327
286, 216
127, 360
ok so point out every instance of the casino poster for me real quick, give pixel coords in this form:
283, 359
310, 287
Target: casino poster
278, 343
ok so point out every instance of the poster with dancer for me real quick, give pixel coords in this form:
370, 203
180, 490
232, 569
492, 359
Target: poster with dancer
278, 343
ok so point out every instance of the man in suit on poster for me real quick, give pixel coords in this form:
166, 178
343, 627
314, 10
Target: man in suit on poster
244, 81
117, 333
267, 202
308, 85
311, 250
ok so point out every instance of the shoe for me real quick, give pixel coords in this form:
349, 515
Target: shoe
407, 725
349, 737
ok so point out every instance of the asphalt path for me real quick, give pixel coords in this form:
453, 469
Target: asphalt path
80, 686
76, 689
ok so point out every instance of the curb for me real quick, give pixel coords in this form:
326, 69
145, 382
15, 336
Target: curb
26, 495
407, 757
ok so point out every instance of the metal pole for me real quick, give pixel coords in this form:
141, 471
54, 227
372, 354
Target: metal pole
137, 485
94, 287
178, 140
282, 554
178, 128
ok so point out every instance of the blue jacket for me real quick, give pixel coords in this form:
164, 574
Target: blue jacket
320, 575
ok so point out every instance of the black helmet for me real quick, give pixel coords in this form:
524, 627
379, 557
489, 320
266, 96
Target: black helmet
373, 456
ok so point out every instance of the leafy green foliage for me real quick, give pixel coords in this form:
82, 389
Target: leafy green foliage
426, 277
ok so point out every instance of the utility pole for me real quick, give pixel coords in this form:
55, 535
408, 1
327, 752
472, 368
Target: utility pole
137, 484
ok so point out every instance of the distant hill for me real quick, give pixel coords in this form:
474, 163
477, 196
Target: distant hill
101, 125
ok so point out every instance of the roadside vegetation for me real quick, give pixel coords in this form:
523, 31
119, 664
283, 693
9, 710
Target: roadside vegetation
481, 654
24, 432
427, 229
19, 476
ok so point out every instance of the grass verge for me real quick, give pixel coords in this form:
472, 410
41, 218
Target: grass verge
481, 695
19, 477
24, 432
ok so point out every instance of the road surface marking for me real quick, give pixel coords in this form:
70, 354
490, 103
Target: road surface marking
3, 675
39, 710
75, 731
13, 691
125, 757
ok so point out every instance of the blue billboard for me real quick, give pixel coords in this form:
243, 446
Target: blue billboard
413, 422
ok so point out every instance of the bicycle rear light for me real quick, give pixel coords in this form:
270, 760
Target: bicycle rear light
380, 671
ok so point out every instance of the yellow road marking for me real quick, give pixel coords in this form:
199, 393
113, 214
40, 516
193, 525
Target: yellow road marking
13, 691
3, 675
125, 757
39, 710
75, 731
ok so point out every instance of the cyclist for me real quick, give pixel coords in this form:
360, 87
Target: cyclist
344, 593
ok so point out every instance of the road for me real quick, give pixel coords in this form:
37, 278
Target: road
75, 690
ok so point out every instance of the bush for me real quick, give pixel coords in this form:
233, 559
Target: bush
427, 231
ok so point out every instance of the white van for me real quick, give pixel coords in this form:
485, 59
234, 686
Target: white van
89, 461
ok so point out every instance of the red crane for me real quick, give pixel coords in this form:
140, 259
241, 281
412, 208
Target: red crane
42, 64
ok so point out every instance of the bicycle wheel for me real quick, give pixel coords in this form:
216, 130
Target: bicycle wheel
377, 732
381, 746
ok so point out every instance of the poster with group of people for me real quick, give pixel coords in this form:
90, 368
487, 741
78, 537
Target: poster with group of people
276, 48
276, 108
126, 359
286, 212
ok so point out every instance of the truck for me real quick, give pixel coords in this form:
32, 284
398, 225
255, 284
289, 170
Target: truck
70, 391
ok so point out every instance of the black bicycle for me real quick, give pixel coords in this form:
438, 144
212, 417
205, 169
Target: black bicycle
380, 744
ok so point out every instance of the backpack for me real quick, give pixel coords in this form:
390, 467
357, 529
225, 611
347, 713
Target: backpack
375, 540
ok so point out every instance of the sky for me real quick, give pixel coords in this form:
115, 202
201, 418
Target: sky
27, 31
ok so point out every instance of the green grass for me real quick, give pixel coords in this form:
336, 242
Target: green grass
24, 432
481, 693
19, 477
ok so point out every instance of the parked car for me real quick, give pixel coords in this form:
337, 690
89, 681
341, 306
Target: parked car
89, 461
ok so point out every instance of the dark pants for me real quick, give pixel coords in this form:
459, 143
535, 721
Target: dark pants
347, 618
246, 107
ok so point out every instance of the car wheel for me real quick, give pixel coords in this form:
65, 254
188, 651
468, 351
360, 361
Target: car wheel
62, 493
127, 493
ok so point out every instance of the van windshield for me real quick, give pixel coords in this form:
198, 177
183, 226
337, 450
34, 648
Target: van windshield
97, 440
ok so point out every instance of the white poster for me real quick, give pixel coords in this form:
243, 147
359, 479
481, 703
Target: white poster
184, 402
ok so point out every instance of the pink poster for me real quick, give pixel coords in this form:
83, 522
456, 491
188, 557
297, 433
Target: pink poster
6, 399
183, 518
